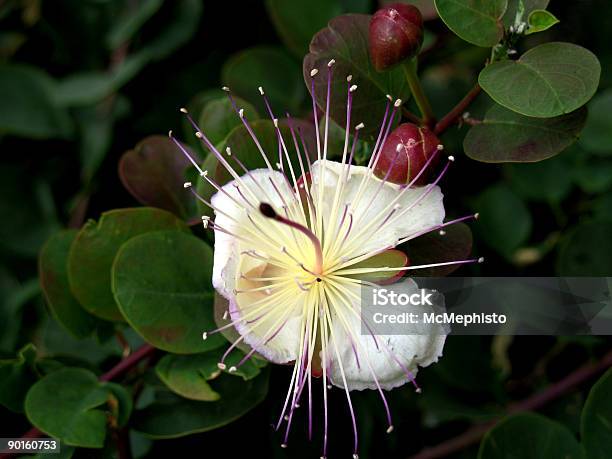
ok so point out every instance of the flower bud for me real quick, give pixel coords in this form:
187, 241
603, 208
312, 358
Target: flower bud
405, 152
396, 34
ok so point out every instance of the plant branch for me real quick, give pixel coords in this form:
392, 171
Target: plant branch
411, 116
534, 402
121, 368
455, 114
417, 92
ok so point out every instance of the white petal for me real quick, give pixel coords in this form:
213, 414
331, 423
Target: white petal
227, 247
411, 351
229, 262
368, 206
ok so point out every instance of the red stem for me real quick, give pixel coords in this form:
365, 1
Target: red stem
453, 116
552, 392
122, 367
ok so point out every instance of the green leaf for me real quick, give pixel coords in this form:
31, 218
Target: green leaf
154, 173
505, 222
345, 40
162, 283
549, 80
539, 21
218, 117
455, 244
505, 136
16, 377
476, 21
131, 21
53, 274
71, 404
514, 7
548, 181
297, 21
28, 107
529, 436
94, 249
597, 134
587, 250
271, 68
596, 422
187, 375
171, 416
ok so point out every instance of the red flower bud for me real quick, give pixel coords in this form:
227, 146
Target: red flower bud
396, 34
405, 152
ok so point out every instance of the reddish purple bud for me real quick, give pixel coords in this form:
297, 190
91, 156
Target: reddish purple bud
406, 152
396, 34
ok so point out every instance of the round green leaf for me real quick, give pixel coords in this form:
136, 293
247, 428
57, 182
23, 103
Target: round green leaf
187, 375
587, 250
549, 80
297, 21
345, 40
218, 117
505, 222
93, 251
476, 21
154, 173
162, 284
53, 273
597, 134
506, 136
16, 376
269, 67
596, 422
171, 416
529, 436
72, 405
